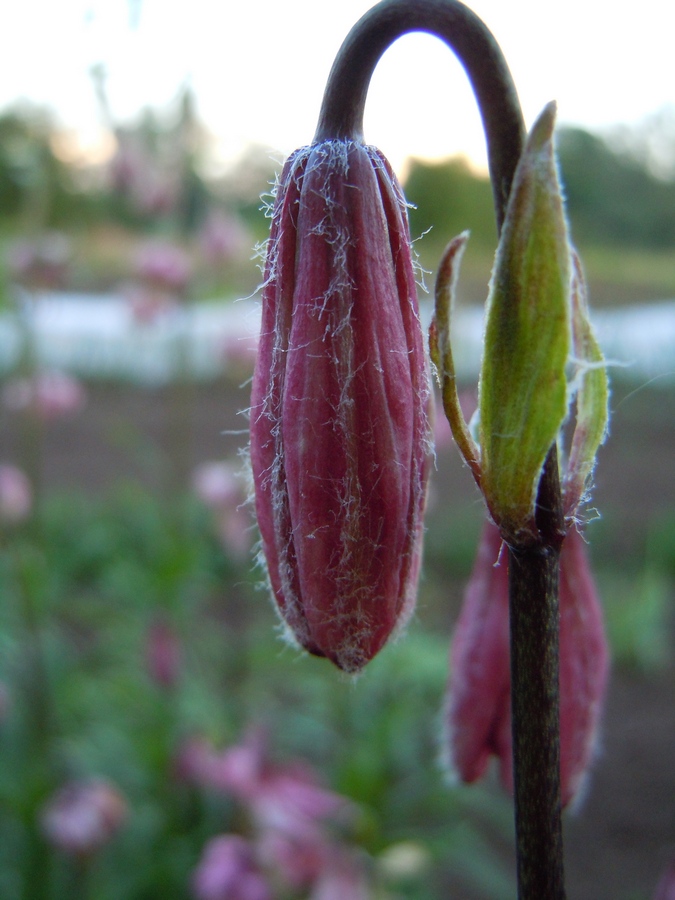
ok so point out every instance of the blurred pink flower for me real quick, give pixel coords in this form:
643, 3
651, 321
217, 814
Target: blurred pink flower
40, 263
222, 239
134, 174
345, 877
300, 862
127, 167
83, 816
16, 494
219, 485
288, 815
291, 800
228, 871
157, 193
239, 352
285, 798
148, 304
666, 887
479, 703
163, 656
49, 395
164, 266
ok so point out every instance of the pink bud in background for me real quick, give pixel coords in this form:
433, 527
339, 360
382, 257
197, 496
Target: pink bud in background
584, 665
219, 485
285, 798
40, 263
479, 703
163, 655
83, 816
339, 410
228, 871
222, 239
164, 266
128, 166
239, 352
49, 395
134, 173
299, 860
16, 494
666, 887
148, 305
344, 877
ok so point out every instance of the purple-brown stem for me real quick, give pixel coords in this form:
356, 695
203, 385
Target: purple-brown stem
468, 37
535, 718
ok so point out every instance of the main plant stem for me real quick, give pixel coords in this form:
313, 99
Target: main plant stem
534, 570
535, 722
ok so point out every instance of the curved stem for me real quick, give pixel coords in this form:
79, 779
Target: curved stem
533, 571
345, 96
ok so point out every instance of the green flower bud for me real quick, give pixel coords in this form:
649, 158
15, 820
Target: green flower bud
540, 356
523, 395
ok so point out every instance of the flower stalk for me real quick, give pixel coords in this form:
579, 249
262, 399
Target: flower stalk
535, 697
536, 322
533, 569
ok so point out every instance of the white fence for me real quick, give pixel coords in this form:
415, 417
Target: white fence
98, 336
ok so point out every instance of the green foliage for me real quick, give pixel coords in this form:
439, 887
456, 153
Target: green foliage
613, 198
37, 189
637, 609
82, 586
637, 598
449, 198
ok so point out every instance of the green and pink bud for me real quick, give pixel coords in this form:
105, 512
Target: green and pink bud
340, 431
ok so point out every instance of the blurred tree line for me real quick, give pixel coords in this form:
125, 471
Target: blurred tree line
158, 171
620, 190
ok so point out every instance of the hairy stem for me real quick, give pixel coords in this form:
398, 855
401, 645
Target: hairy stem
345, 96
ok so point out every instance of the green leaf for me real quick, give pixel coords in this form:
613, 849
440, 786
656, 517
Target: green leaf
523, 389
440, 351
592, 398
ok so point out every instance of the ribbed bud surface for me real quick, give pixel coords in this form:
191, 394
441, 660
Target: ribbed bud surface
339, 407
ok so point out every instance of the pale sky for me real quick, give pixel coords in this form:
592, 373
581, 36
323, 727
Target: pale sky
258, 67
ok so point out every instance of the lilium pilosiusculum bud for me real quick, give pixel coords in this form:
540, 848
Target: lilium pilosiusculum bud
339, 410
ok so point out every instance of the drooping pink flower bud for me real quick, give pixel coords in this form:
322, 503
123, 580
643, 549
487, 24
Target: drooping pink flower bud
479, 702
339, 408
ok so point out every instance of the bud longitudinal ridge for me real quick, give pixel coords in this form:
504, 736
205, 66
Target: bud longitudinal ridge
339, 410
